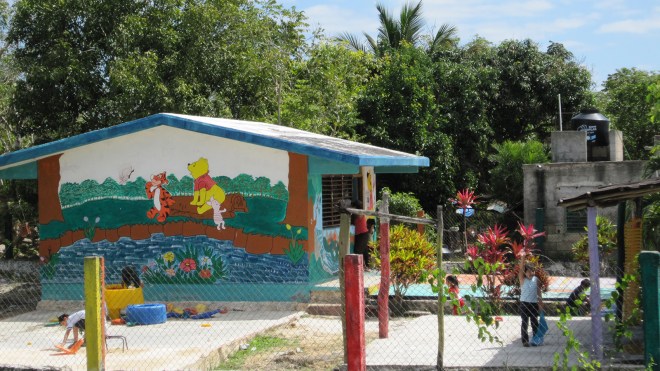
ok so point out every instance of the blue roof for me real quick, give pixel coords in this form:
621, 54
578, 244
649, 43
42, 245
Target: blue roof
285, 138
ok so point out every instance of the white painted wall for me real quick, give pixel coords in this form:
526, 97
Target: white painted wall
164, 148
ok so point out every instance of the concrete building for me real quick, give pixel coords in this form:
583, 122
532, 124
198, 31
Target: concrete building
206, 209
577, 167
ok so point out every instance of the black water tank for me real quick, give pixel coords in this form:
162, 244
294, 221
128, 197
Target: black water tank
595, 124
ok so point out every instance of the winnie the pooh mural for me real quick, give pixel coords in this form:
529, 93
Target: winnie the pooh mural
204, 186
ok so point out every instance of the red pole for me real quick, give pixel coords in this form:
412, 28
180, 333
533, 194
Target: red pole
384, 290
420, 227
355, 341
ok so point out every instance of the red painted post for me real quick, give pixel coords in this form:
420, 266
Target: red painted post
355, 341
384, 289
420, 227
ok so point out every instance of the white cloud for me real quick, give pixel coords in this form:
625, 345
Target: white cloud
636, 26
336, 20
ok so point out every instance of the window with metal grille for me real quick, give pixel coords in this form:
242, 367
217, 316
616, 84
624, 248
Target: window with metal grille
576, 220
335, 188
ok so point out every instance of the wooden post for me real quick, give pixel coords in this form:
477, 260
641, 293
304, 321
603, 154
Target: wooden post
344, 247
384, 290
441, 298
594, 275
354, 280
94, 320
420, 227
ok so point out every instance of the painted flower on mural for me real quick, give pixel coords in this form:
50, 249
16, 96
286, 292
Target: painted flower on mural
188, 265
295, 251
168, 257
90, 229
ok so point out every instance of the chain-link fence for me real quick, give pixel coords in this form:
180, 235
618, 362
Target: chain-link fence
160, 320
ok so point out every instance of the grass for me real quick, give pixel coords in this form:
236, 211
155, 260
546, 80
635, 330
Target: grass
260, 344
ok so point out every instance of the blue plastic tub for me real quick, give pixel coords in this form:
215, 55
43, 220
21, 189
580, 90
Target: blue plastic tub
146, 314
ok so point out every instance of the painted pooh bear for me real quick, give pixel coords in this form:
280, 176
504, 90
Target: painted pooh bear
204, 187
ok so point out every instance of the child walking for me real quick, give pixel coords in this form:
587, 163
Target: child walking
530, 300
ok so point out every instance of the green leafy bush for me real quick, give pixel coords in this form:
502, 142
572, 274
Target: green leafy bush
606, 243
411, 257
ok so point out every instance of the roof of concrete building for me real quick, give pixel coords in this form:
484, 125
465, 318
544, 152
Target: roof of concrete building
612, 194
22, 163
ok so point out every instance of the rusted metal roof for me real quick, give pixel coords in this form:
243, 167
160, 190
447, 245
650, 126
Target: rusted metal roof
611, 195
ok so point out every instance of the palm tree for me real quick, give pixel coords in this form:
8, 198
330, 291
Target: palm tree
393, 31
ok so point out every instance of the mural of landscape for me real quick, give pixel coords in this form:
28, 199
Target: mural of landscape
189, 230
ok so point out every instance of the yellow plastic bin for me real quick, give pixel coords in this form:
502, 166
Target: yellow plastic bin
117, 297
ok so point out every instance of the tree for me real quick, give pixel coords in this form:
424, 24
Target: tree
529, 83
627, 107
88, 65
326, 86
399, 111
17, 197
408, 28
506, 176
465, 87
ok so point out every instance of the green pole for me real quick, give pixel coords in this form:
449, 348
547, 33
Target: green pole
650, 265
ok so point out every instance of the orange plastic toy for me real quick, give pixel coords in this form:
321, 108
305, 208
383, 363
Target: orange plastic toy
73, 349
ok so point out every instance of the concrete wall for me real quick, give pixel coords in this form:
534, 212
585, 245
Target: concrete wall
571, 146
546, 184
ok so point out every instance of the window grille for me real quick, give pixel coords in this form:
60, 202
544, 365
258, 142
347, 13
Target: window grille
335, 188
576, 220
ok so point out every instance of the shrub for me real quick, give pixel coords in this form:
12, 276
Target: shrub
411, 257
606, 244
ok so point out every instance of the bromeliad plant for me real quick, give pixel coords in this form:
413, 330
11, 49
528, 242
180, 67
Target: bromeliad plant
464, 200
487, 259
525, 248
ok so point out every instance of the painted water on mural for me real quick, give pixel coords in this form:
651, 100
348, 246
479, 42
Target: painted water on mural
176, 260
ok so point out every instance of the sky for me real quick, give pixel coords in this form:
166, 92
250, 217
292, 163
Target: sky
603, 35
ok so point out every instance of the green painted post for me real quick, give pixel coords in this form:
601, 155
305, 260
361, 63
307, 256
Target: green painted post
94, 321
650, 267
344, 249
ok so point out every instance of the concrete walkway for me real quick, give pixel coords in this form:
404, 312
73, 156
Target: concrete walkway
174, 345
416, 344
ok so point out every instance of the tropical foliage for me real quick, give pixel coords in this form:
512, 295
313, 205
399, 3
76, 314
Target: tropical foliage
507, 174
73, 66
411, 256
606, 243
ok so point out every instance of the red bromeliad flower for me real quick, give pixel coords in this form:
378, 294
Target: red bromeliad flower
188, 265
465, 198
472, 252
518, 249
205, 273
528, 234
494, 237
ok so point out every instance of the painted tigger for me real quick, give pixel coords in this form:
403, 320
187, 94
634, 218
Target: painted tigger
162, 198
